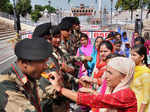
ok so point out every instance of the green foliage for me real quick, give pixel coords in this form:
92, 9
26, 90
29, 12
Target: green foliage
23, 7
35, 15
6, 6
39, 7
130, 4
50, 9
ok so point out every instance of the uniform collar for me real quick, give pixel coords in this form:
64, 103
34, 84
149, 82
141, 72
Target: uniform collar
22, 77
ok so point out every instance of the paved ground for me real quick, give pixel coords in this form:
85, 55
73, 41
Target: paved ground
6, 54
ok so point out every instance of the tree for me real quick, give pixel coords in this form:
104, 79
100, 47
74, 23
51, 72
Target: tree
35, 15
39, 7
6, 6
126, 4
50, 9
23, 7
130, 5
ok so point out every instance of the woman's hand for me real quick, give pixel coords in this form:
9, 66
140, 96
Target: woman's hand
66, 68
86, 79
88, 58
87, 90
56, 80
84, 84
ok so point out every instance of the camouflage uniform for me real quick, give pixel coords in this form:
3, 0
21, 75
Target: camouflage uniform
74, 41
58, 103
19, 93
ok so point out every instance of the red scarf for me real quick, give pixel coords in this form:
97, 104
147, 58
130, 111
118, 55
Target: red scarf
100, 66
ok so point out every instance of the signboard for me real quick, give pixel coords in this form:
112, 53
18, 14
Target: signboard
26, 35
94, 34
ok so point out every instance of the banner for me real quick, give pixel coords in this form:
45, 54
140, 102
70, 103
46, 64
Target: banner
94, 34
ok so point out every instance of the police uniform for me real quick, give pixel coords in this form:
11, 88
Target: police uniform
19, 92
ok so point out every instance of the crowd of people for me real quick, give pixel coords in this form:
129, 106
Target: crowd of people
61, 70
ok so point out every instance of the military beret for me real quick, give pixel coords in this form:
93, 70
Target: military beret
42, 30
33, 49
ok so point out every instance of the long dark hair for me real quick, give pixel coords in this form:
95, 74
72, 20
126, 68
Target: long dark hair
84, 35
141, 50
108, 44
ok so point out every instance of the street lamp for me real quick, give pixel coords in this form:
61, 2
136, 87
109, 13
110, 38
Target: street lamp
131, 8
15, 18
17, 26
111, 10
141, 18
57, 15
49, 10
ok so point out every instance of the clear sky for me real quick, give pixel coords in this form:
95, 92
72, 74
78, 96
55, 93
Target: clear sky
65, 6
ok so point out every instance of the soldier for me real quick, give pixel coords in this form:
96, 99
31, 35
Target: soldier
19, 81
68, 49
76, 34
74, 41
51, 99
42, 30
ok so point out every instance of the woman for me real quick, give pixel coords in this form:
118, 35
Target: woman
146, 36
121, 98
95, 51
84, 50
141, 81
106, 48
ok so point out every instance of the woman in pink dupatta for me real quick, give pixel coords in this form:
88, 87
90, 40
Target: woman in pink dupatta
84, 50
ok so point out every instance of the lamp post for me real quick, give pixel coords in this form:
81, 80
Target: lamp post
141, 17
15, 18
49, 10
17, 26
131, 8
111, 10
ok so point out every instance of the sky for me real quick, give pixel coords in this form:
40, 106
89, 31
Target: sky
65, 6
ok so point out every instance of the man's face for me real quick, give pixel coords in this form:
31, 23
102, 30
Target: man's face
117, 47
118, 37
125, 35
56, 40
76, 27
35, 68
136, 35
66, 34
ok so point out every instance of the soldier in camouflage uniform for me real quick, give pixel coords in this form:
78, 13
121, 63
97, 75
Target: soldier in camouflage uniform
20, 90
57, 102
68, 49
74, 40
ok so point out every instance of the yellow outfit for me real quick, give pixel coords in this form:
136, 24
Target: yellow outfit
141, 86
